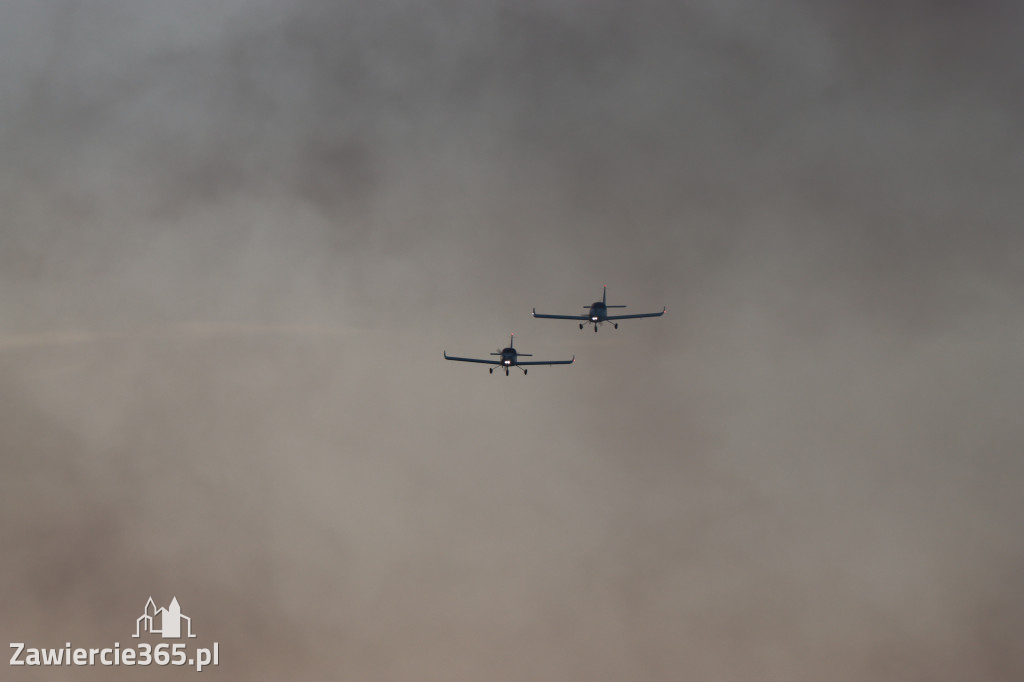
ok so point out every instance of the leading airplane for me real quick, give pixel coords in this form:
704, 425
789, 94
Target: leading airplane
599, 313
509, 357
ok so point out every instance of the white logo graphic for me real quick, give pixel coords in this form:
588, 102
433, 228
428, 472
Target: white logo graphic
170, 620
166, 622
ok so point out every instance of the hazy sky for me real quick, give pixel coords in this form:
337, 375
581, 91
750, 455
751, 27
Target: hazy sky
237, 236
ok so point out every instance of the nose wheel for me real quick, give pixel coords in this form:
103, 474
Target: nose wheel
506, 371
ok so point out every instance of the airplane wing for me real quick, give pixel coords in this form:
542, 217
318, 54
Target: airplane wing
561, 317
550, 362
629, 317
485, 362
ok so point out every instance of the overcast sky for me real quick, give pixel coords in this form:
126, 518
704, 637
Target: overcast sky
237, 236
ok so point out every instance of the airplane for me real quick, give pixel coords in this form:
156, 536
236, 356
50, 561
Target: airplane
509, 357
599, 313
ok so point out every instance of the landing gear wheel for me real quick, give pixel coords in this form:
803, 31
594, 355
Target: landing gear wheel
581, 326
490, 370
616, 325
525, 371
506, 371
595, 328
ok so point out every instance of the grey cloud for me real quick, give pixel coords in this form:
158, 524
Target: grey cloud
237, 238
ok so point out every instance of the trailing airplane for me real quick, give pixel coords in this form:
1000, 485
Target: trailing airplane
599, 313
509, 357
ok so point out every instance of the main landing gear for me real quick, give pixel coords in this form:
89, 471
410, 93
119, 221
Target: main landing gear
490, 370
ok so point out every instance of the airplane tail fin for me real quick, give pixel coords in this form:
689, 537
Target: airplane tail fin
604, 299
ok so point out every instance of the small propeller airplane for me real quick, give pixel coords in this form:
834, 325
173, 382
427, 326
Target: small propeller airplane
509, 357
599, 313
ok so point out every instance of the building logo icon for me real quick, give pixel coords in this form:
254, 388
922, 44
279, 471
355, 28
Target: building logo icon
169, 620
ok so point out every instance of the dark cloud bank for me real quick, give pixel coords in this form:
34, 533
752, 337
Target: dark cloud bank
235, 240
